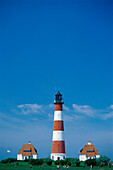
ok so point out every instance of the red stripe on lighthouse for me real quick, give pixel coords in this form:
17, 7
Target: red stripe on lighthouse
58, 107
58, 147
58, 125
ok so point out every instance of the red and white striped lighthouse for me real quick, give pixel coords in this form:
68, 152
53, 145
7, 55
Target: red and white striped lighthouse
58, 143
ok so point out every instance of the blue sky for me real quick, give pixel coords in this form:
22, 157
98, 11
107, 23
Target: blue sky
46, 46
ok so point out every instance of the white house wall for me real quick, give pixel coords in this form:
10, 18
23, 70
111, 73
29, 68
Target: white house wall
56, 156
97, 156
82, 158
35, 156
19, 156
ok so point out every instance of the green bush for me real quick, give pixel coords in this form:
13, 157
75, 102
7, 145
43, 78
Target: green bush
26, 160
33, 161
74, 162
48, 161
36, 161
62, 162
8, 160
41, 161
102, 161
82, 164
67, 160
90, 162
69, 163
57, 162
77, 162
17, 163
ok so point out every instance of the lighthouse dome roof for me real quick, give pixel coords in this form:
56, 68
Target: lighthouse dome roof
58, 98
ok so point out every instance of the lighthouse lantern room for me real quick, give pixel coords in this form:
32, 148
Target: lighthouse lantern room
58, 142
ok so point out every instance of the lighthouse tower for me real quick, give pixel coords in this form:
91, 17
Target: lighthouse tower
58, 143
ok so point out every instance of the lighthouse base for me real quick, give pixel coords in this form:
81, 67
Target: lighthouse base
58, 156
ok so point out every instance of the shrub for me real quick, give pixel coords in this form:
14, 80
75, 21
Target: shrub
41, 161
67, 160
17, 163
48, 161
69, 163
33, 161
75, 162
26, 160
8, 160
102, 161
90, 162
62, 162
36, 161
57, 162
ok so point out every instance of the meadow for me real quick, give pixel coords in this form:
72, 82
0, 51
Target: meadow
48, 164
26, 166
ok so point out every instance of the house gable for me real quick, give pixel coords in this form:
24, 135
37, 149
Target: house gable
89, 151
27, 151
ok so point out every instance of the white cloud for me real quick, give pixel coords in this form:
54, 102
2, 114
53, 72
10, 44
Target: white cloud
51, 105
30, 109
66, 108
85, 109
20, 106
68, 118
33, 106
71, 117
81, 111
111, 106
70, 114
107, 115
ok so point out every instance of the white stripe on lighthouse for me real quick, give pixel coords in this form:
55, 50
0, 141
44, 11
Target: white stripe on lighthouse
58, 135
58, 115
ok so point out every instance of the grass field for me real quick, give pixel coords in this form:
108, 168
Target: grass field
25, 166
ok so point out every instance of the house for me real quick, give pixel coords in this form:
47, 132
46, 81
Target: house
27, 152
88, 152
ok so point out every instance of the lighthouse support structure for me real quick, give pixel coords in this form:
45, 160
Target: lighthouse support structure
58, 142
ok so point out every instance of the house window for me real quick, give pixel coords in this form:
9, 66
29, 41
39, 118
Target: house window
26, 150
53, 157
58, 158
89, 151
63, 157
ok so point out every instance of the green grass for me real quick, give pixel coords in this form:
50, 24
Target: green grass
26, 166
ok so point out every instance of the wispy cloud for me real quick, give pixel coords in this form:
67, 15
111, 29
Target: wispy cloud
81, 111
66, 108
107, 116
35, 112
85, 109
111, 107
108, 113
30, 109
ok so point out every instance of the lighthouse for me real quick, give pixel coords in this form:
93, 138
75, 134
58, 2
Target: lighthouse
58, 141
